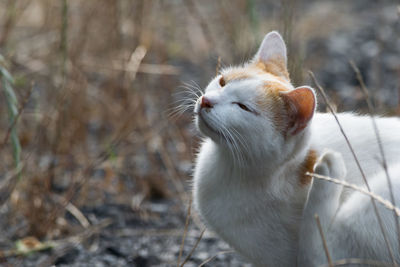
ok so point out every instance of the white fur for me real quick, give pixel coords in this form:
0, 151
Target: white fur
246, 179
350, 228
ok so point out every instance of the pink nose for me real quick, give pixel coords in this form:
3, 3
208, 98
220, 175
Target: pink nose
205, 102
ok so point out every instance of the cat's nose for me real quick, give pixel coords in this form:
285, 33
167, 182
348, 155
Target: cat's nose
205, 102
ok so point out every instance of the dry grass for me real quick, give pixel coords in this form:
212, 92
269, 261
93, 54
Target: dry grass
83, 121
94, 81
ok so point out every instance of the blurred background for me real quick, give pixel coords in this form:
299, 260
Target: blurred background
96, 148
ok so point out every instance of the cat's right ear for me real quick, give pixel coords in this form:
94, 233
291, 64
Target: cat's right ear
300, 106
272, 55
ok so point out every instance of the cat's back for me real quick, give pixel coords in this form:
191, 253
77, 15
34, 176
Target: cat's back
361, 134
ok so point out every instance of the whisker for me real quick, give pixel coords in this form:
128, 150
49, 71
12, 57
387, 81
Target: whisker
193, 87
187, 99
242, 141
177, 111
184, 101
236, 151
188, 92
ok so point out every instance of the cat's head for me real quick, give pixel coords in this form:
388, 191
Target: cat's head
254, 107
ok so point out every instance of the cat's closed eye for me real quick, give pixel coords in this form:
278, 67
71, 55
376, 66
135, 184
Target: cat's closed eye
222, 82
242, 106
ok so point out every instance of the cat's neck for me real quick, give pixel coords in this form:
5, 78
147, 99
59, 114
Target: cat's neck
277, 173
259, 163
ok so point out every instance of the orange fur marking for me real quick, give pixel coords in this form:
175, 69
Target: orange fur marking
277, 67
308, 166
273, 104
238, 74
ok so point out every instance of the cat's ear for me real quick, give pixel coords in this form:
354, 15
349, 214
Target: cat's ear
272, 55
300, 104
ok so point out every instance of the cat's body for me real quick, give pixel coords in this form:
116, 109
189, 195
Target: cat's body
262, 134
359, 129
351, 228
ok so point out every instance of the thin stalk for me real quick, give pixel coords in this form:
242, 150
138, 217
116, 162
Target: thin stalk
7, 82
386, 203
253, 16
379, 140
20, 110
218, 67
185, 231
64, 36
328, 256
193, 248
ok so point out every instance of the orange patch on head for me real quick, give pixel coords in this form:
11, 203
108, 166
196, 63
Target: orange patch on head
271, 96
257, 68
276, 67
238, 74
308, 166
272, 103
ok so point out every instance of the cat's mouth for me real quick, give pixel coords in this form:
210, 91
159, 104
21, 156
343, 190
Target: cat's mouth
205, 127
209, 130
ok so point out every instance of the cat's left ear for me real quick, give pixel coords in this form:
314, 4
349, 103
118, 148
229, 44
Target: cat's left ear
272, 55
300, 105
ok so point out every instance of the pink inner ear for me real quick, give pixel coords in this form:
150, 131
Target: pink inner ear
301, 105
272, 55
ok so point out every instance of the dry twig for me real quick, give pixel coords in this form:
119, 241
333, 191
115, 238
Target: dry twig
62, 247
218, 67
185, 231
8, 183
328, 256
196, 14
160, 69
20, 110
78, 215
134, 63
387, 204
194, 248
216, 255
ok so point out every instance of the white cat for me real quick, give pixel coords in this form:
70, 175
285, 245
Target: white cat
261, 137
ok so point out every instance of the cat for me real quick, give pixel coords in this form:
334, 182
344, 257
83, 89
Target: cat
261, 136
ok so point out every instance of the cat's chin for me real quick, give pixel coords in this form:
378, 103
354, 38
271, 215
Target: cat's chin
206, 129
